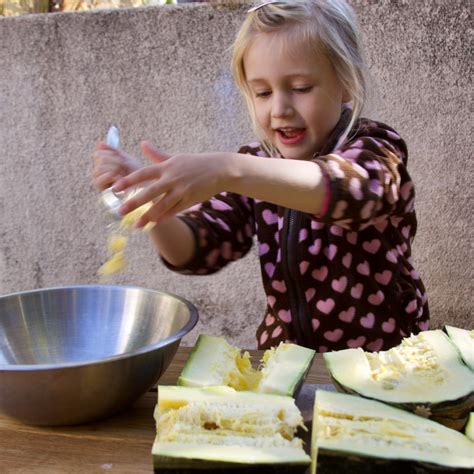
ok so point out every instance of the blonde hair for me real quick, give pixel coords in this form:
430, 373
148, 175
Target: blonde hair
328, 26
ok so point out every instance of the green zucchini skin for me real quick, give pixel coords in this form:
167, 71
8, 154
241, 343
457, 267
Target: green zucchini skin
344, 464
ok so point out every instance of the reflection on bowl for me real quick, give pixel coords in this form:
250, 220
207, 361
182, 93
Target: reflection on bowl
80, 353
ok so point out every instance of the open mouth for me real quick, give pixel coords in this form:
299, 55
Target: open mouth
290, 136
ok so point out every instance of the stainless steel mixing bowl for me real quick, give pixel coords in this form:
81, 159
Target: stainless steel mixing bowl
76, 354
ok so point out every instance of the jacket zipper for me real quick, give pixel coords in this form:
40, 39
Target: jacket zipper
289, 256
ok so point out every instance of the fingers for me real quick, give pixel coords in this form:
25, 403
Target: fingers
151, 193
168, 205
104, 146
106, 160
106, 170
152, 153
140, 176
105, 180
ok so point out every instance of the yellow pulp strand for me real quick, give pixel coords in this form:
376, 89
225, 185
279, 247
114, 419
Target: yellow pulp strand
376, 431
114, 264
413, 355
245, 377
117, 242
223, 420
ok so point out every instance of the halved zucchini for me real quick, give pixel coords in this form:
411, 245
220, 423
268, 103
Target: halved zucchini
356, 435
424, 374
213, 361
463, 339
221, 428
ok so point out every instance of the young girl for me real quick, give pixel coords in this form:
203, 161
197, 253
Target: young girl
326, 193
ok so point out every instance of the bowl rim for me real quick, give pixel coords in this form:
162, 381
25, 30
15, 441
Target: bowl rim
193, 320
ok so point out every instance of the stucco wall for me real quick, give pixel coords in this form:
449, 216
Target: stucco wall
161, 73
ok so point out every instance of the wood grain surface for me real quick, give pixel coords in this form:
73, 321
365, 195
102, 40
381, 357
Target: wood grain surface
119, 444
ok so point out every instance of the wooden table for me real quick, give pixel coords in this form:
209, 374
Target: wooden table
120, 444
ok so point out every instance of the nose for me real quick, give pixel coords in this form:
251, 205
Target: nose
281, 105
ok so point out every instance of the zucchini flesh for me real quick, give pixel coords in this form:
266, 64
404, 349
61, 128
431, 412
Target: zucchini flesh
213, 361
354, 434
221, 428
463, 339
424, 374
469, 430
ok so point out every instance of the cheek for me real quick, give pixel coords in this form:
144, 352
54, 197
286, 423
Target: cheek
262, 117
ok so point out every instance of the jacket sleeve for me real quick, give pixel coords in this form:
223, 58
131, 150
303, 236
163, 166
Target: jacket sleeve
366, 178
223, 229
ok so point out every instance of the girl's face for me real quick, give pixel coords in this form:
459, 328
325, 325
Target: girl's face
296, 94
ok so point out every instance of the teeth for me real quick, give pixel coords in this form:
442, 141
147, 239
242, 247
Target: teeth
289, 132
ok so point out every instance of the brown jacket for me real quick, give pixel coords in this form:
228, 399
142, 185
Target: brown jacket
341, 279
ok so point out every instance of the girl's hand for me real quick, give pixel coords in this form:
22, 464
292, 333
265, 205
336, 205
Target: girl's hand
174, 183
110, 165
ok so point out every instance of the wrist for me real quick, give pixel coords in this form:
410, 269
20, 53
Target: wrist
233, 171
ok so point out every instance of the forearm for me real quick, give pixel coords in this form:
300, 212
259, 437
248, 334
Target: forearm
174, 240
289, 183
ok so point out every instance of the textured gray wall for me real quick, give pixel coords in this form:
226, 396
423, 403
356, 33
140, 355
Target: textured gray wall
162, 73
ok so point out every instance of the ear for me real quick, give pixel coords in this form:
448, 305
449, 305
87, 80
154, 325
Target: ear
346, 96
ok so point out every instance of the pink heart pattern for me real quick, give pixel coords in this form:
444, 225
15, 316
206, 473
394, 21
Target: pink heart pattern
368, 321
269, 217
315, 247
384, 277
320, 274
424, 325
303, 267
356, 291
336, 230
269, 269
364, 268
330, 251
263, 249
354, 343
271, 300
371, 246
325, 306
333, 336
276, 332
339, 209
284, 315
309, 294
346, 258
269, 320
376, 299
388, 326
411, 306
280, 286
352, 238
348, 315
375, 346
339, 285
303, 235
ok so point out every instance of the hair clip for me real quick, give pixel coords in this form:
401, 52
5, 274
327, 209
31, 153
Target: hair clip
268, 2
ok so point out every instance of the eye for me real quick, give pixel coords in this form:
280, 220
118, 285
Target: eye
262, 93
302, 90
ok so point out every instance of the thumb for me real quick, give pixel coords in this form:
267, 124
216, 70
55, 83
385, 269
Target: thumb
153, 153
